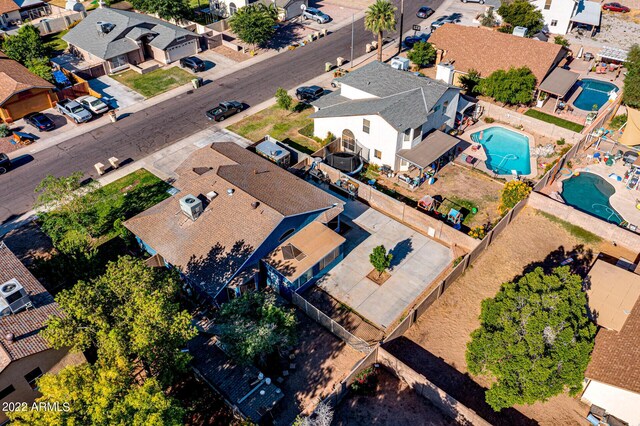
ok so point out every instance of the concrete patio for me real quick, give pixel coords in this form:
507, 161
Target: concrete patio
417, 261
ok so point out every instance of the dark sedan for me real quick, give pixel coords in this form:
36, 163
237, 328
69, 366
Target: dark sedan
424, 12
5, 163
40, 121
193, 63
615, 7
309, 93
410, 41
224, 110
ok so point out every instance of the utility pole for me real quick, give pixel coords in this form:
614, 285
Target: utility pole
352, 30
401, 22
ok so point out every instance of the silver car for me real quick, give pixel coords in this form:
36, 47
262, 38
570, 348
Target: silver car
316, 15
93, 104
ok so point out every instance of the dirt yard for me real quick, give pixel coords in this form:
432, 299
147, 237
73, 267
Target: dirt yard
436, 344
393, 404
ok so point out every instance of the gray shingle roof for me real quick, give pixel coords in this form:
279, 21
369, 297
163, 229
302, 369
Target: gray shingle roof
129, 26
401, 98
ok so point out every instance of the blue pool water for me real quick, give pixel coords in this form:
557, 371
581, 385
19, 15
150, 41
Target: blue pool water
506, 150
590, 193
594, 92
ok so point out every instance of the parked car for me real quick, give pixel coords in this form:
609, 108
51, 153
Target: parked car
615, 7
93, 104
194, 63
40, 121
309, 93
473, 1
73, 110
316, 15
5, 163
224, 110
451, 19
424, 12
410, 41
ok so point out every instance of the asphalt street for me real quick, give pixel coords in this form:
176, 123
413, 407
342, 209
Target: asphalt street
147, 131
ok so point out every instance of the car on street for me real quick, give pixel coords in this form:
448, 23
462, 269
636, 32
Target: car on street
93, 104
309, 93
193, 63
73, 110
224, 110
40, 121
410, 41
5, 163
316, 15
473, 1
424, 12
615, 7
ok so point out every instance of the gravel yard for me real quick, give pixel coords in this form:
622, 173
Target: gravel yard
617, 30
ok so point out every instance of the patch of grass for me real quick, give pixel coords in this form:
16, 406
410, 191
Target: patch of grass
55, 43
578, 232
154, 82
570, 125
461, 204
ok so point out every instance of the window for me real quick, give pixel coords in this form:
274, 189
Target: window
554, 23
377, 154
328, 259
348, 141
6, 391
32, 376
118, 61
406, 136
547, 4
366, 125
287, 234
181, 38
417, 132
232, 9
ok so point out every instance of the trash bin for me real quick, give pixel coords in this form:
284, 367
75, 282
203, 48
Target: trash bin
328, 66
197, 82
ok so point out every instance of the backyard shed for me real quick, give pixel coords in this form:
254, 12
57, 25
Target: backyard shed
273, 152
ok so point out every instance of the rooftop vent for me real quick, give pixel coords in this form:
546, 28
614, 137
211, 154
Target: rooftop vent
255, 204
191, 206
9, 337
104, 27
13, 298
230, 191
211, 195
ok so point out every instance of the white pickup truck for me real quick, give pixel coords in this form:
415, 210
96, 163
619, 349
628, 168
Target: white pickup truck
73, 110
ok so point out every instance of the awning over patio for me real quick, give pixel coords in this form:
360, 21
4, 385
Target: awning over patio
559, 82
587, 12
465, 102
631, 135
432, 147
613, 53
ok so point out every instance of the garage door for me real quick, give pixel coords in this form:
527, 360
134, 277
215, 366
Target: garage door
183, 50
27, 104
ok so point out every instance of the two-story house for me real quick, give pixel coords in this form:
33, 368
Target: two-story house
379, 111
561, 15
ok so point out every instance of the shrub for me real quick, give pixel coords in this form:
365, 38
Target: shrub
478, 232
283, 99
513, 192
470, 82
618, 121
513, 87
560, 141
489, 120
561, 41
4, 131
422, 53
328, 139
365, 382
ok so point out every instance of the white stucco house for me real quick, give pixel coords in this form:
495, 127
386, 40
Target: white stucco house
561, 15
389, 116
288, 8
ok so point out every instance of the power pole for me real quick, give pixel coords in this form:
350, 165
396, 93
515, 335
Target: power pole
401, 22
352, 30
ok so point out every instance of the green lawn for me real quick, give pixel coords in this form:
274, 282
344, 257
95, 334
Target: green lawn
55, 43
575, 127
576, 231
154, 82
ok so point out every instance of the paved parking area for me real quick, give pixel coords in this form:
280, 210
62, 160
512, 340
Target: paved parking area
341, 12
117, 94
417, 261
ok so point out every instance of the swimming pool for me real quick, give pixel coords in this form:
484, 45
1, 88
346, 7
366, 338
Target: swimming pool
590, 193
594, 92
506, 150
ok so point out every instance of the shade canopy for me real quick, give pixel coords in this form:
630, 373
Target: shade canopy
559, 82
587, 12
432, 147
613, 53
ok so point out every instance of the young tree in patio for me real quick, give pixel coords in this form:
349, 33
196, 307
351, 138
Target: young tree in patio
380, 17
380, 259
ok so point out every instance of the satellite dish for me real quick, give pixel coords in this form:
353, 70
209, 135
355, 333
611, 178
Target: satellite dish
303, 6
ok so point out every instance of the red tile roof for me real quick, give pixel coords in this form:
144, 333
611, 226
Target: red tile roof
14, 78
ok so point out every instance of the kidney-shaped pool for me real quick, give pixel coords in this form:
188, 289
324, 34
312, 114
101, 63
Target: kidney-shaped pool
590, 193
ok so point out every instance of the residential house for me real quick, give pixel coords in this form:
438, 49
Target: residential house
561, 15
234, 207
383, 114
15, 12
25, 355
613, 374
484, 50
121, 39
21, 91
288, 8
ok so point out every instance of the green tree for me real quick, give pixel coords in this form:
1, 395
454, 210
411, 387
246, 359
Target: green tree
631, 92
283, 99
561, 41
380, 259
488, 19
40, 67
510, 87
253, 25
129, 311
101, 396
522, 13
535, 338
471, 82
253, 326
166, 9
422, 53
25, 45
380, 17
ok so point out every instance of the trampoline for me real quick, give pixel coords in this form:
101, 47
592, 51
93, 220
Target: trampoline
347, 162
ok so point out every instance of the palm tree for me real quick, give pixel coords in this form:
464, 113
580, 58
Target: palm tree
380, 17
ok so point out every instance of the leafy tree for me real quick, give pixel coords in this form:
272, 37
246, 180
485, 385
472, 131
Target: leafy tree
510, 87
253, 25
631, 93
100, 395
253, 326
522, 13
283, 99
512, 193
380, 259
272, 10
471, 82
422, 53
535, 338
561, 41
380, 17
127, 312
24, 46
40, 67
166, 9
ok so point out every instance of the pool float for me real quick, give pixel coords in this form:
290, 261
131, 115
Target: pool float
576, 173
566, 172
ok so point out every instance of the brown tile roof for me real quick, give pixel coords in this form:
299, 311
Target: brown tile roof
487, 51
7, 6
27, 324
15, 78
616, 357
213, 248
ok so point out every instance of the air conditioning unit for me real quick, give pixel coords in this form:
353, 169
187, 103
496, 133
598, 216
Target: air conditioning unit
191, 206
13, 298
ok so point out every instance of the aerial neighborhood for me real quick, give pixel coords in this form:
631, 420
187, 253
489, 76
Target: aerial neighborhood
303, 212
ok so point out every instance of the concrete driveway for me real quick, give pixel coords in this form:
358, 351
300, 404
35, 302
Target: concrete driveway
417, 261
118, 95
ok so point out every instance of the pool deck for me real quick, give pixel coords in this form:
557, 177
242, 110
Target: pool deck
480, 164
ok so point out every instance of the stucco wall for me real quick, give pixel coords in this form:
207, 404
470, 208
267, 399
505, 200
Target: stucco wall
619, 402
560, 10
